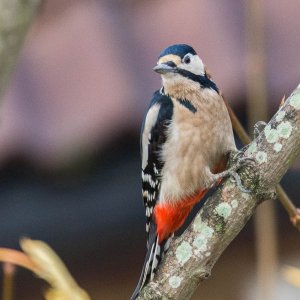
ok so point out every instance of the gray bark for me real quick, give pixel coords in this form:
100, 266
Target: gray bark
192, 256
15, 18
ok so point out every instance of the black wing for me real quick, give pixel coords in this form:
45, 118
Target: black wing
153, 136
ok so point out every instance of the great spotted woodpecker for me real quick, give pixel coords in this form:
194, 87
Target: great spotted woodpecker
186, 139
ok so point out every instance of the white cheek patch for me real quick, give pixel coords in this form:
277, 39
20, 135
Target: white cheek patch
196, 65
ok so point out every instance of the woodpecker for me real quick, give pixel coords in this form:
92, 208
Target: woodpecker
186, 140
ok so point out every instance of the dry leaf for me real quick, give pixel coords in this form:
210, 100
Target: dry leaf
53, 270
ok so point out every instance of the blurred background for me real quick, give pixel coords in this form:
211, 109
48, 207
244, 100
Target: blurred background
70, 123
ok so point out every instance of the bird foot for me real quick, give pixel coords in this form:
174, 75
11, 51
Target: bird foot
237, 161
258, 127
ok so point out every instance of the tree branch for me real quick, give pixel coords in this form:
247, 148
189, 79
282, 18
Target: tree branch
192, 256
15, 18
284, 199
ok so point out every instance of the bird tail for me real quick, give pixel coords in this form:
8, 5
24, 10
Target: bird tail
155, 253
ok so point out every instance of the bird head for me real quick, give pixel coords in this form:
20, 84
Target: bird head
182, 71
179, 60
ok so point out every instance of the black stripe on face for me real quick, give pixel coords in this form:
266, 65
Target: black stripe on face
204, 81
187, 104
170, 64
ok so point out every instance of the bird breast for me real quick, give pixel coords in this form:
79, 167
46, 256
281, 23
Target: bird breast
196, 142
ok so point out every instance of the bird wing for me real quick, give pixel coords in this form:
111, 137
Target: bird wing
153, 136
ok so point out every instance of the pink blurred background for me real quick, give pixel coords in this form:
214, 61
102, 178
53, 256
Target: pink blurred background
70, 120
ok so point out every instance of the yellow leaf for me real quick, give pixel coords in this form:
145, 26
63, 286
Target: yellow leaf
52, 269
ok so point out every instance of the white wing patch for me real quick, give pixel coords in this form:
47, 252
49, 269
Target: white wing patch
149, 123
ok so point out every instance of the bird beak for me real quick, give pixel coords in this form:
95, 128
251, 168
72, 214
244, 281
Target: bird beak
163, 68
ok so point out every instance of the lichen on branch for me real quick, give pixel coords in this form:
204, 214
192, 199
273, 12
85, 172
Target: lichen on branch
192, 256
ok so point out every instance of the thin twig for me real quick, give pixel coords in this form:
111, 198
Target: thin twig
17, 258
8, 281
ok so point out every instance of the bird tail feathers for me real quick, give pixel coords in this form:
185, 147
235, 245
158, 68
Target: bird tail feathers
153, 258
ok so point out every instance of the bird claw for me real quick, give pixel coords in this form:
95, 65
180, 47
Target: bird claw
257, 128
237, 158
237, 161
237, 179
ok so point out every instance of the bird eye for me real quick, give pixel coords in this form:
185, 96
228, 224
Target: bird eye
186, 59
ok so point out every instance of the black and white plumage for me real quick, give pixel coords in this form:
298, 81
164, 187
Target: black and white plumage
153, 136
186, 136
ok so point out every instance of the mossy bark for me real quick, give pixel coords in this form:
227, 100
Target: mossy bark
192, 256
